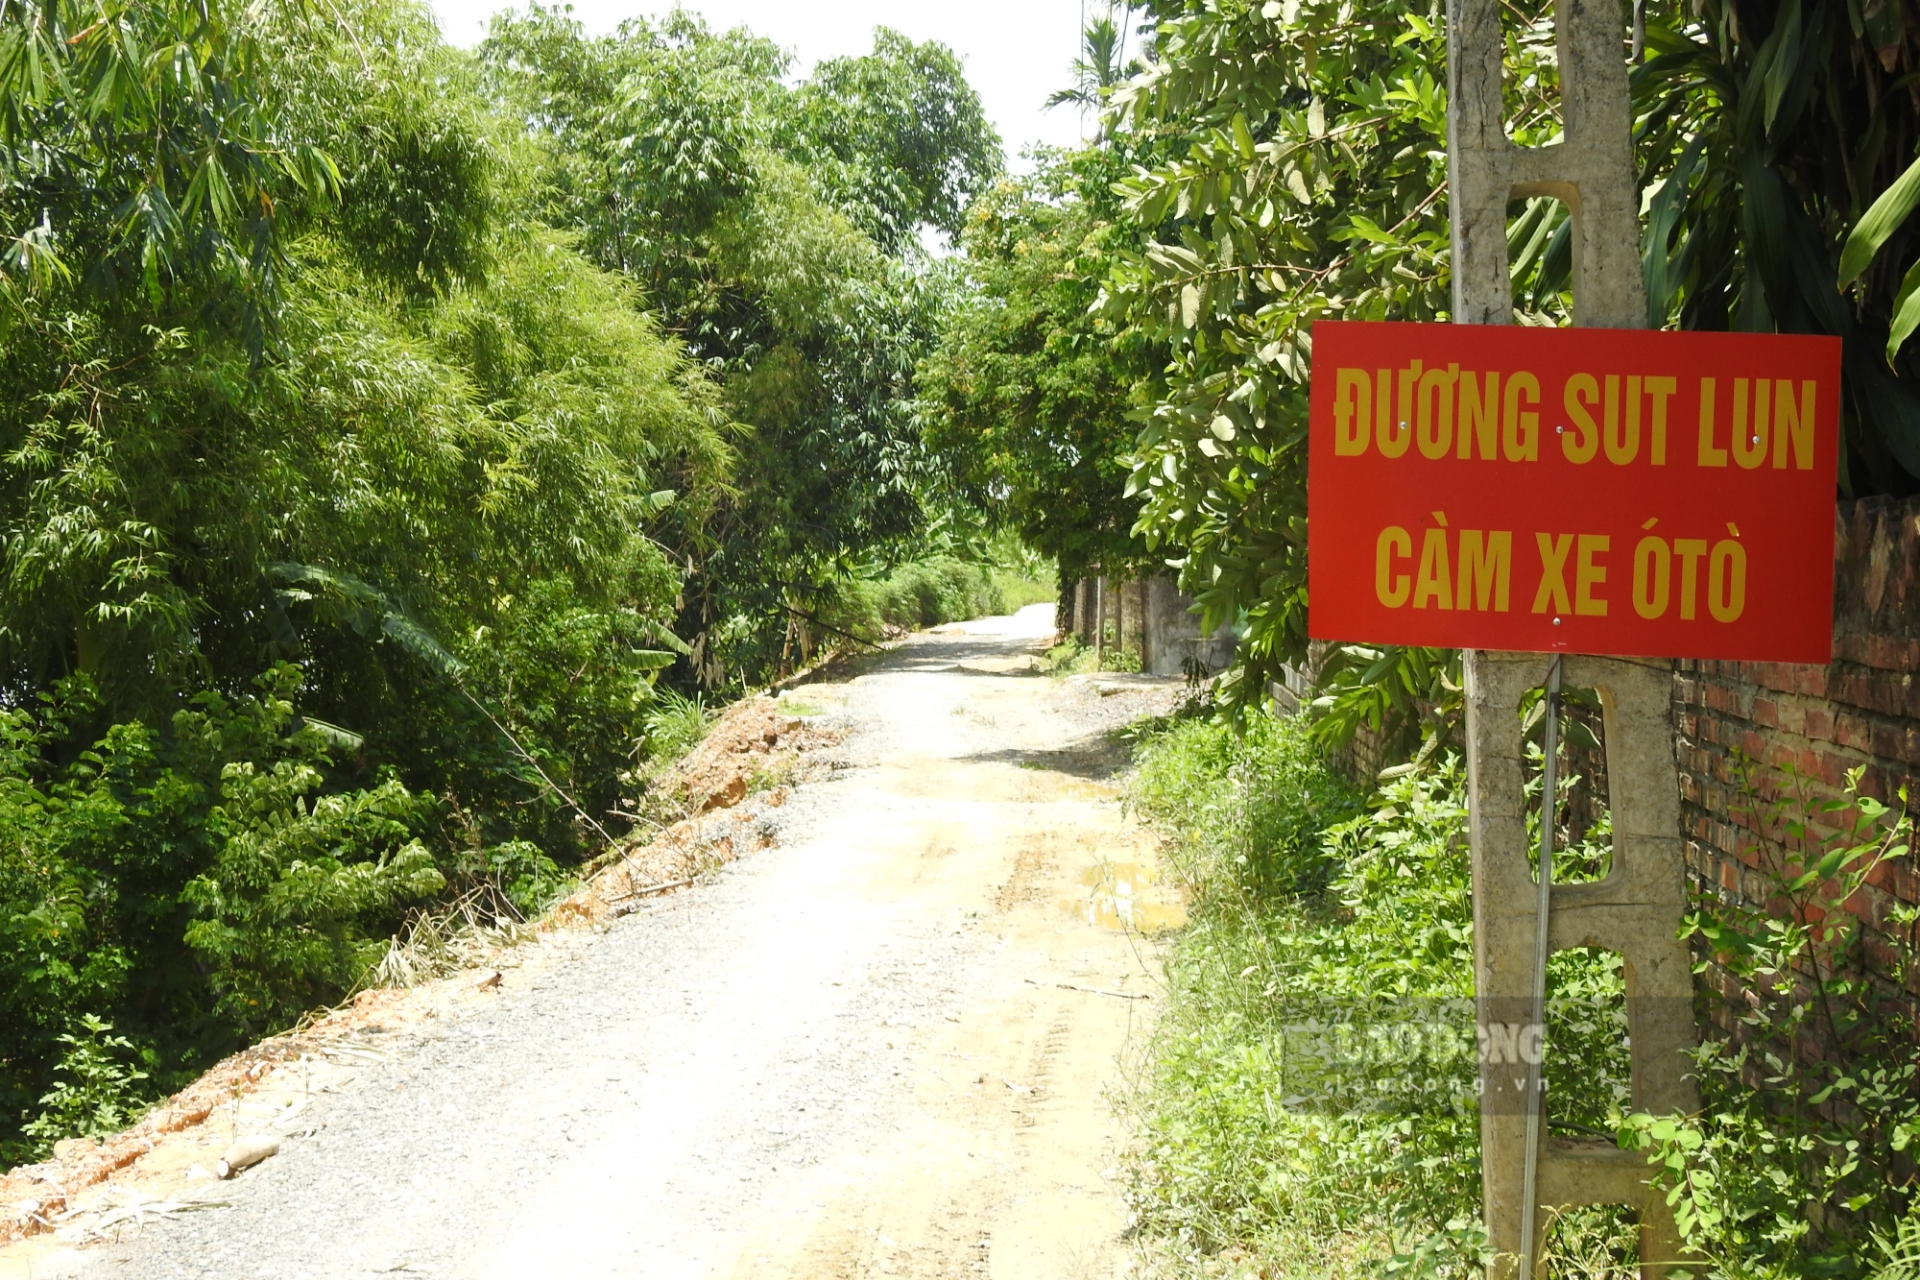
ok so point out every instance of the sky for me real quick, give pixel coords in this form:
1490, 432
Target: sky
1015, 52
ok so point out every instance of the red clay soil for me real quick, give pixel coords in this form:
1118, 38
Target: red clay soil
751, 751
33, 1195
753, 739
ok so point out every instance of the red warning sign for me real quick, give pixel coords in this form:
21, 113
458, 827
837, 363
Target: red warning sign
1607, 491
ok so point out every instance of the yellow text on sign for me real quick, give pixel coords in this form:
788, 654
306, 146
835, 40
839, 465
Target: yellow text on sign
1472, 569
1440, 412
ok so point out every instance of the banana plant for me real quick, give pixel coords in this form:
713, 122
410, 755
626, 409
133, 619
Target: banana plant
1777, 157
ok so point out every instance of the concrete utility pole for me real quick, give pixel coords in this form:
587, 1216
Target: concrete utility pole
1635, 911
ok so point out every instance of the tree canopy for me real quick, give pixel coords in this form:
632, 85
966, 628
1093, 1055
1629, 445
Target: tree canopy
1287, 162
390, 432
776, 230
1028, 395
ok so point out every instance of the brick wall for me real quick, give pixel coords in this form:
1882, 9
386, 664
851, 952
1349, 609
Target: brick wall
1862, 710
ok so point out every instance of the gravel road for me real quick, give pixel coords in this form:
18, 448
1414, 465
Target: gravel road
883, 1047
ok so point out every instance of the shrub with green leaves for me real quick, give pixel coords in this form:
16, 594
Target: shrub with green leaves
1307, 1102
1800, 1161
281, 915
193, 886
923, 593
98, 1092
530, 879
1243, 811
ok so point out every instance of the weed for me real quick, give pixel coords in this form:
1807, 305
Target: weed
98, 1092
1306, 1107
1241, 810
528, 878
1309, 1103
1070, 657
675, 723
1798, 1164
774, 772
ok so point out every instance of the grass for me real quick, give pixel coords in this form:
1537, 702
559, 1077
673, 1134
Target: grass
1074, 656
1306, 1107
1069, 657
776, 772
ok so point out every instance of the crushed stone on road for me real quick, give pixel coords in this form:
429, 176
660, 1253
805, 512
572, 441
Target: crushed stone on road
884, 1045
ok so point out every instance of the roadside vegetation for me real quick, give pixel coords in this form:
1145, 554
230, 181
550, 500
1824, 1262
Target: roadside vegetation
1258, 167
401, 447
999, 577
1307, 1104
1141, 310
1074, 656
404, 450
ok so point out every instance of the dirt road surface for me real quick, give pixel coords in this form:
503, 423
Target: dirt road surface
884, 1047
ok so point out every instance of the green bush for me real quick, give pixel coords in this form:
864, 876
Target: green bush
1074, 656
282, 915
1071, 656
530, 879
1308, 1101
1811, 1174
925, 593
194, 887
1243, 811
98, 1092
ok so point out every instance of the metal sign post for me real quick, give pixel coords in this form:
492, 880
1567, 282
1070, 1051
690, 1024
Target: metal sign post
1537, 1025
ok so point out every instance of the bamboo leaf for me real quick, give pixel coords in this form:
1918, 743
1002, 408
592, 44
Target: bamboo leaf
1656, 262
1891, 405
345, 739
1786, 58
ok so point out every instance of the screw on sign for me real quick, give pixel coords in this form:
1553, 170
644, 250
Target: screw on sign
1604, 491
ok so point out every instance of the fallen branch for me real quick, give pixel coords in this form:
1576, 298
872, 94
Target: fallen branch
1095, 991
244, 1154
652, 888
804, 616
627, 905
